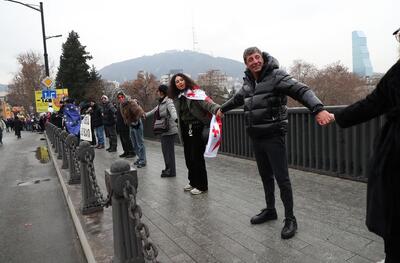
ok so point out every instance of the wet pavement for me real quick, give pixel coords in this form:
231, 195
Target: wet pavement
215, 227
35, 224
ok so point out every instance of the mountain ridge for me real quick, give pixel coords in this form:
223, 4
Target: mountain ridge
159, 64
3, 87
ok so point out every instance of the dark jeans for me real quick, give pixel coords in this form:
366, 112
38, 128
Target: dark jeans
111, 133
126, 141
194, 147
168, 150
392, 246
271, 160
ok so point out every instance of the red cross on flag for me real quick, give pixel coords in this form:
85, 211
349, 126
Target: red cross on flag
214, 137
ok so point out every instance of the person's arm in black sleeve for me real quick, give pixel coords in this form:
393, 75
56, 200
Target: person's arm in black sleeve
298, 91
374, 105
234, 102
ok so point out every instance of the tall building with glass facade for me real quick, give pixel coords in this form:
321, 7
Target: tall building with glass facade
361, 62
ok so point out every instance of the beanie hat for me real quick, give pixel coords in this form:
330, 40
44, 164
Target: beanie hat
163, 88
104, 97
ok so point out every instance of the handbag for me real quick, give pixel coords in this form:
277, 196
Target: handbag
160, 125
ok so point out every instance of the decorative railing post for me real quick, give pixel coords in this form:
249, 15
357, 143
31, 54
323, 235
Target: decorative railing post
127, 245
63, 136
73, 164
59, 143
92, 198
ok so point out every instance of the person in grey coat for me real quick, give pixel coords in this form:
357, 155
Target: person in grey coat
166, 109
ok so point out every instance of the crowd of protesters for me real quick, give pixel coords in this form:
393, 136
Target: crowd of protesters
185, 110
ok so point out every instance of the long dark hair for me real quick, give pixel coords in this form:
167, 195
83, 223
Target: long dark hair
174, 91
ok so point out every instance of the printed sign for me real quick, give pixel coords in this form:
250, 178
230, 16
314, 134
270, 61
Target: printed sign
43, 104
86, 132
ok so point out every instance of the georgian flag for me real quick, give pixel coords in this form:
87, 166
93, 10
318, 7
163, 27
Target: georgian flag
214, 137
195, 94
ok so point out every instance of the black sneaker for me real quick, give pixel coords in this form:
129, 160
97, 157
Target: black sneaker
167, 174
123, 155
136, 162
112, 150
264, 216
290, 227
130, 155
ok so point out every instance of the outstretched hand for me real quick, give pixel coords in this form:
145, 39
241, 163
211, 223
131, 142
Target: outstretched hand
219, 113
324, 118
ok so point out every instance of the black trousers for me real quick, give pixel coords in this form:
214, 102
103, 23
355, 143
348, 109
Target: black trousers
111, 133
168, 150
126, 141
194, 147
392, 246
272, 163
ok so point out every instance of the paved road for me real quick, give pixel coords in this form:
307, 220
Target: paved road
35, 224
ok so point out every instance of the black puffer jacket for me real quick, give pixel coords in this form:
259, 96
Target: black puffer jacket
109, 111
265, 99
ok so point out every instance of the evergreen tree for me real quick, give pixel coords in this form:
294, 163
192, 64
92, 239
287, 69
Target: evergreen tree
73, 72
94, 75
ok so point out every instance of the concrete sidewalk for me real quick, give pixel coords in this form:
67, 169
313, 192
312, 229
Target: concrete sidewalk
215, 227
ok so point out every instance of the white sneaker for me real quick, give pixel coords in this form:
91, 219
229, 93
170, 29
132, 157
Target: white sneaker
196, 191
382, 261
188, 187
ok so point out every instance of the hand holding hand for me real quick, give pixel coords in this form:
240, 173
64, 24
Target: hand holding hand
219, 113
324, 118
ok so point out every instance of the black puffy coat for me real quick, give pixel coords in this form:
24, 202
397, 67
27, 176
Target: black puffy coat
109, 114
265, 99
383, 191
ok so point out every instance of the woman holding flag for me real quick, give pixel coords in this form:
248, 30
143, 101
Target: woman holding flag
195, 110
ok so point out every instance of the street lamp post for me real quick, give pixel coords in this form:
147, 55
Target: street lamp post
40, 9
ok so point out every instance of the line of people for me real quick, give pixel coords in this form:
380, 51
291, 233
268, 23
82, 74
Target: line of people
186, 110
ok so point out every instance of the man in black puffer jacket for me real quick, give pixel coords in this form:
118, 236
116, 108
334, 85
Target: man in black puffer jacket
264, 95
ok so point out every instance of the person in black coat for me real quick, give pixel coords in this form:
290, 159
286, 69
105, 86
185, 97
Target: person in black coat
109, 120
383, 190
18, 124
123, 131
264, 96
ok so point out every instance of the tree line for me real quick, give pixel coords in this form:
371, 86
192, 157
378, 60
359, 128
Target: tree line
333, 84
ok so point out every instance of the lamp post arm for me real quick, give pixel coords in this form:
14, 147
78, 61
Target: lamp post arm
27, 5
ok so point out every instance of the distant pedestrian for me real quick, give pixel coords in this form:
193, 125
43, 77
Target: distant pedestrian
383, 190
123, 131
109, 120
195, 111
132, 114
165, 110
18, 124
2, 128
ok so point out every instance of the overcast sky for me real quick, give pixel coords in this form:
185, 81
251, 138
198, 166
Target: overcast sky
315, 31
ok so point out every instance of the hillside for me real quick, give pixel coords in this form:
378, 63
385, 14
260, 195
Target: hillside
191, 62
3, 87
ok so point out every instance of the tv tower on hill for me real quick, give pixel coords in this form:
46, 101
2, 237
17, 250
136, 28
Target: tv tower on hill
194, 40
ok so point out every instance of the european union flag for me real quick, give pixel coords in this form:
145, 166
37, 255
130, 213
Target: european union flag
72, 119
